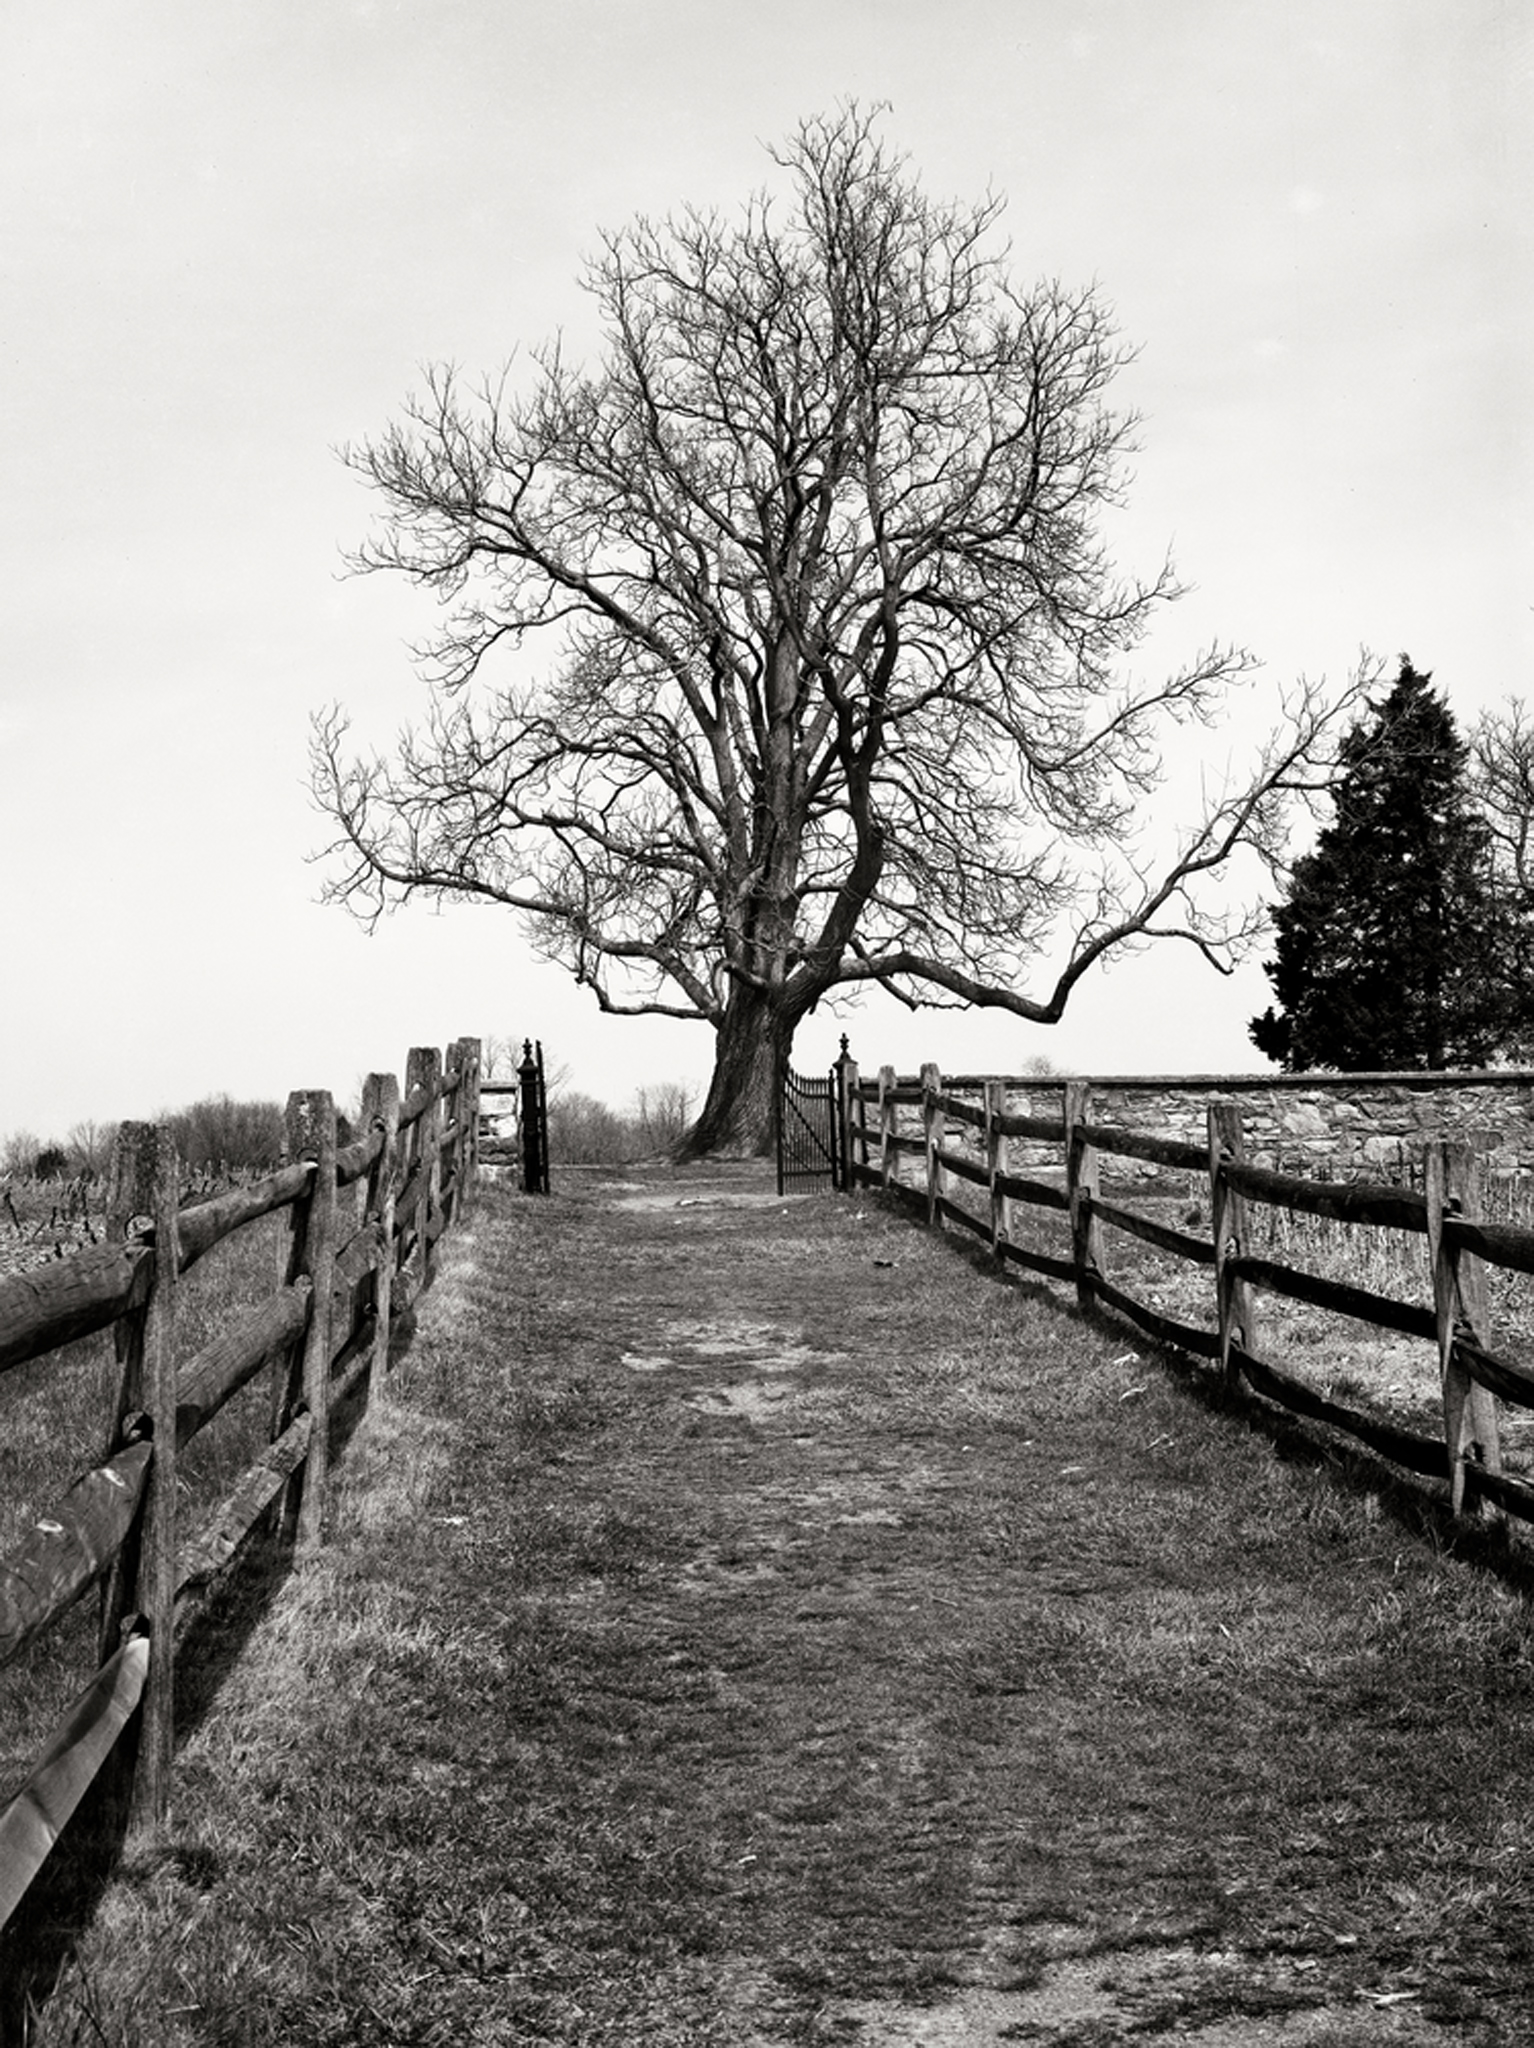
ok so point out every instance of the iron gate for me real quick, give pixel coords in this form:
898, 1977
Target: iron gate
810, 1139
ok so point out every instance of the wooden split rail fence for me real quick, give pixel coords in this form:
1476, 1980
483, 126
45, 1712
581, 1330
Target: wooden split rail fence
926, 1138
354, 1268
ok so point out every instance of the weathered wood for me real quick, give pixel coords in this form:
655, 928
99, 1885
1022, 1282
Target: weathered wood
1512, 1496
232, 1521
311, 1134
1500, 1243
1235, 1301
1082, 1190
69, 1548
418, 1100
208, 1223
357, 1158
46, 1306
966, 1219
465, 1122
66, 1770
1174, 1152
996, 1151
380, 1102
1343, 1201
423, 1070
955, 1111
888, 1170
235, 1356
1338, 1296
1165, 1329
1045, 1130
1507, 1381
1039, 1262
1039, 1194
931, 1089
1404, 1447
1460, 1313
1162, 1235
960, 1163
145, 1184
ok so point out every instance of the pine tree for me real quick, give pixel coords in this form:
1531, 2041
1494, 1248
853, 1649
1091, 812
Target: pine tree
1391, 950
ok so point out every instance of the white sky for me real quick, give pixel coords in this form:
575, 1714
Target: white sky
231, 231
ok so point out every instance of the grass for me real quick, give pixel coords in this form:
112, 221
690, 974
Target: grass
748, 1626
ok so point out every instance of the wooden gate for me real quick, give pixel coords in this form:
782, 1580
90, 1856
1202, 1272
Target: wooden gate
809, 1121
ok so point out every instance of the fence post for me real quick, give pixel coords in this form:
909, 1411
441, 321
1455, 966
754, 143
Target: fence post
380, 1108
466, 1116
886, 1126
423, 1069
1082, 1184
310, 1124
533, 1121
1453, 1177
996, 1158
1228, 1221
145, 1183
931, 1088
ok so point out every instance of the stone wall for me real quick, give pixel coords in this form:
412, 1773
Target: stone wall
1335, 1127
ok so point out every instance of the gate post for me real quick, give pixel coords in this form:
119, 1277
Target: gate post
534, 1120
844, 1078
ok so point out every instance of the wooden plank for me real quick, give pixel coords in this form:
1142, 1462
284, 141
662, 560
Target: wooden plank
1165, 1329
237, 1514
965, 1218
1513, 1496
1082, 1189
69, 1548
1339, 1296
224, 1365
966, 1168
1421, 1454
1162, 1235
1461, 1310
208, 1223
1037, 1262
1343, 1201
1175, 1152
67, 1768
1498, 1243
357, 1158
1041, 1194
46, 1306
958, 1112
311, 1134
1507, 1382
1043, 1129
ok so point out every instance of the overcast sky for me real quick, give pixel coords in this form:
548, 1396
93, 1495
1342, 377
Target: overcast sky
232, 233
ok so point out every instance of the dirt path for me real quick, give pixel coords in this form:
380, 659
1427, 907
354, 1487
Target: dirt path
987, 1720
749, 1623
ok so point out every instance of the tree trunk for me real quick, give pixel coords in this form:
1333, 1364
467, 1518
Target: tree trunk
736, 1119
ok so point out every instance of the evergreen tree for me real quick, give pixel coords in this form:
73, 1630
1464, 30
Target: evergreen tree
1391, 948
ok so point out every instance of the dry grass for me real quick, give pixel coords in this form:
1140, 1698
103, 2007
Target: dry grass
764, 1627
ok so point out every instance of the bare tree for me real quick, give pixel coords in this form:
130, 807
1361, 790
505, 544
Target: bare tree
661, 1111
837, 693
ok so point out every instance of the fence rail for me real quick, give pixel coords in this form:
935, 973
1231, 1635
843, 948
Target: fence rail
927, 1139
353, 1269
